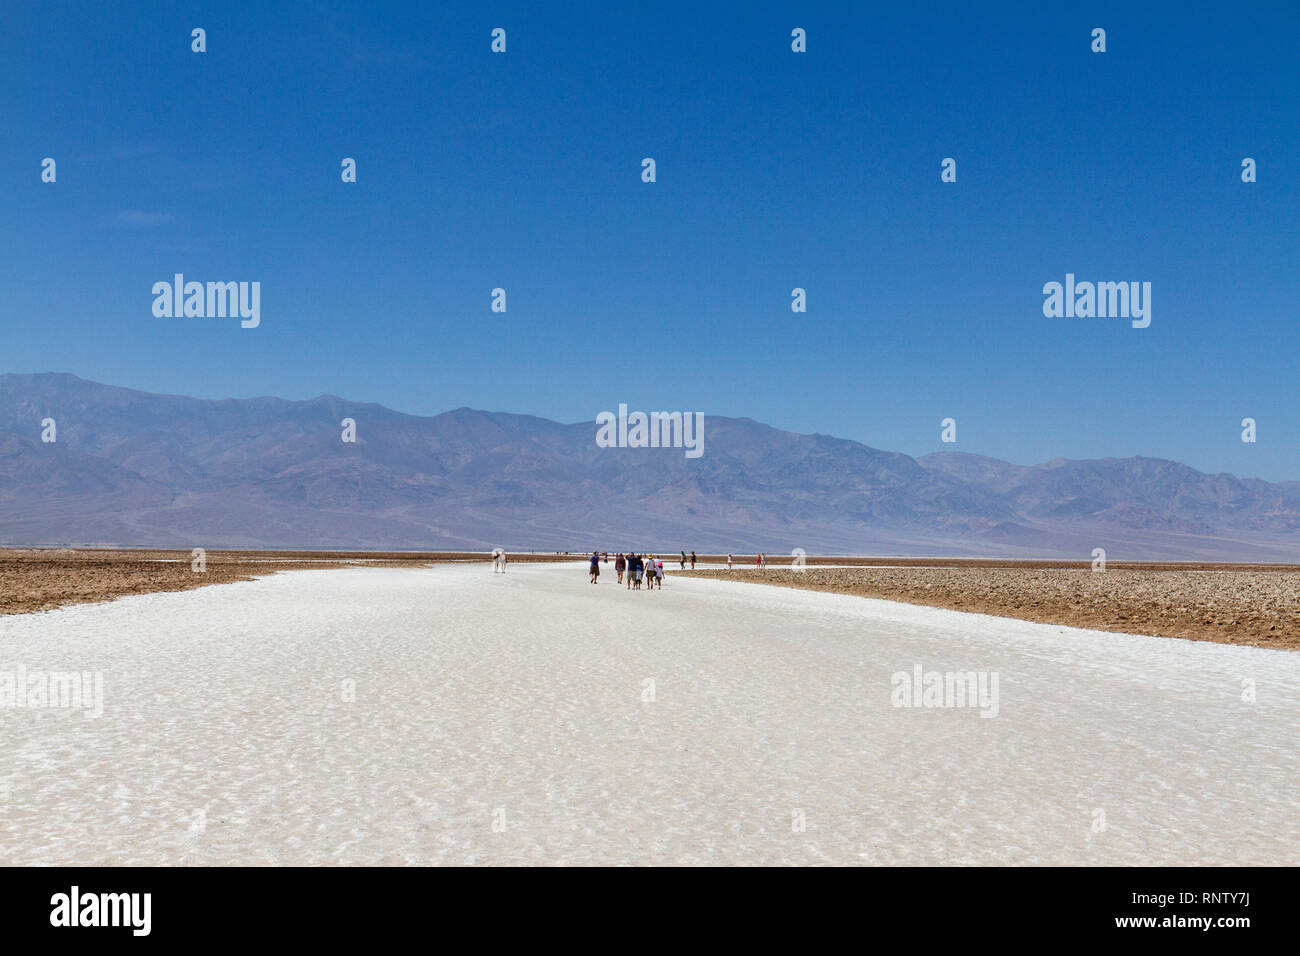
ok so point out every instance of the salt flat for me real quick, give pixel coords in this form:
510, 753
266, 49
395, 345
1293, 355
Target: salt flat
509, 719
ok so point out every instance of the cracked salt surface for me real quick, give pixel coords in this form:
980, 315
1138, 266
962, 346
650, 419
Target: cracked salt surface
501, 719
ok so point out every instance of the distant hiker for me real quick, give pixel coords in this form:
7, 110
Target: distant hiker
692, 560
683, 560
595, 566
631, 568
620, 566
659, 574
498, 561
729, 560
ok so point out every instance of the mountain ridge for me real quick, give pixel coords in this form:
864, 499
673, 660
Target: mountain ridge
134, 468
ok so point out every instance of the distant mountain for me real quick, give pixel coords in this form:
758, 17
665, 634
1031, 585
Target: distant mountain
1146, 493
131, 468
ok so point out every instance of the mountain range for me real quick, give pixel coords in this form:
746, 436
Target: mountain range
130, 468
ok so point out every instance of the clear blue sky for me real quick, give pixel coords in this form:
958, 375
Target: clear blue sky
775, 170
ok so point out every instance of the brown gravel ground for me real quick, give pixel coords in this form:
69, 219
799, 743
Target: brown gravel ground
1257, 605
37, 579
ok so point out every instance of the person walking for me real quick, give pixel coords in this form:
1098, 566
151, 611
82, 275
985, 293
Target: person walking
595, 566
683, 560
692, 560
659, 575
619, 566
730, 558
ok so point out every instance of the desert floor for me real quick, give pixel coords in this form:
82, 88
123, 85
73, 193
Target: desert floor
448, 715
1232, 605
38, 579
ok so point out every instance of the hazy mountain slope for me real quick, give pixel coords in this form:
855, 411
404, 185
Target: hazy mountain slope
134, 468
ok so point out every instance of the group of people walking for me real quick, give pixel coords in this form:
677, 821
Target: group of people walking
637, 568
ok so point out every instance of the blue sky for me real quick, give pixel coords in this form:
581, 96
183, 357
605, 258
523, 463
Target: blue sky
775, 170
